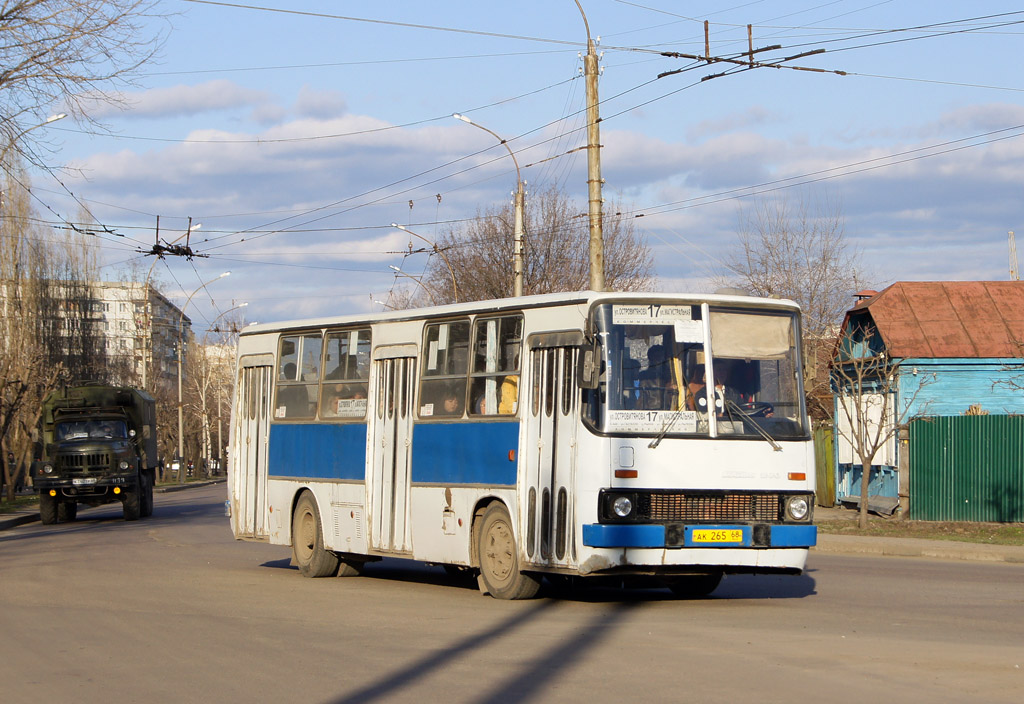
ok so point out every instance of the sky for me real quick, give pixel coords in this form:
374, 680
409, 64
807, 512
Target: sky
292, 134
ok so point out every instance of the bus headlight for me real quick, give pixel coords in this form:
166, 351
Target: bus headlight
622, 506
797, 507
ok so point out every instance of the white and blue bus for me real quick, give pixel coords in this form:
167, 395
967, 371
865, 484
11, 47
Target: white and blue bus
619, 435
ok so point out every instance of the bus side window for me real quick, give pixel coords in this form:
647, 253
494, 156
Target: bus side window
297, 377
344, 390
497, 344
443, 369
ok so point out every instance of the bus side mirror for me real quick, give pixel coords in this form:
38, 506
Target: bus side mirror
587, 367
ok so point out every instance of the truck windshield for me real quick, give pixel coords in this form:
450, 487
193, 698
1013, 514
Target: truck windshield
667, 370
91, 429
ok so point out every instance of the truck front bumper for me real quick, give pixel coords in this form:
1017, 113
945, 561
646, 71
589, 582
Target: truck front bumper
85, 485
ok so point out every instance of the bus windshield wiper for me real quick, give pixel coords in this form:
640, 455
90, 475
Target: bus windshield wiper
731, 405
668, 426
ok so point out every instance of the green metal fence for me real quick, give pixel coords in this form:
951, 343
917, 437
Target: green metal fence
967, 468
824, 465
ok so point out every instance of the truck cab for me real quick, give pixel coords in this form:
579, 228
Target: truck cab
99, 446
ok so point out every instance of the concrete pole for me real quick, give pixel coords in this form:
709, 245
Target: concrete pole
594, 170
517, 251
594, 182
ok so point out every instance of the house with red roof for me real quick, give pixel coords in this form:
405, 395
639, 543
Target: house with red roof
953, 349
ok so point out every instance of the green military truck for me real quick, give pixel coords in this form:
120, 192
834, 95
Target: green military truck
98, 446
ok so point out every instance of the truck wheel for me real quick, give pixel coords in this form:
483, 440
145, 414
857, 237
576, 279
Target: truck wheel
67, 511
146, 490
308, 553
499, 558
47, 509
132, 504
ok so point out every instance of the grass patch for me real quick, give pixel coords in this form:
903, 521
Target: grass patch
984, 533
19, 503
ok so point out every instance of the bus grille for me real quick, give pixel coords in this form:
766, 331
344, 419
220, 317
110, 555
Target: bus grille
677, 506
84, 463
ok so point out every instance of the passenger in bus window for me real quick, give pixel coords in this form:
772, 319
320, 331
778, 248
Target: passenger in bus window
452, 403
658, 389
509, 395
292, 400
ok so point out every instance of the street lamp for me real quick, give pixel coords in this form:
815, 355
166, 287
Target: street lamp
181, 415
455, 288
14, 140
220, 396
213, 324
517, 249
417, 280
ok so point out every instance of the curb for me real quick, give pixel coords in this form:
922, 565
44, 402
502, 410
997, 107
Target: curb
917, 547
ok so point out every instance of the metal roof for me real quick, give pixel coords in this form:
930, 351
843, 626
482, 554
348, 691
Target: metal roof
949, 319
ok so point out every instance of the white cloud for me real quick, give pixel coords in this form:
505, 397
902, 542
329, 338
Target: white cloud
181, 100
320, 104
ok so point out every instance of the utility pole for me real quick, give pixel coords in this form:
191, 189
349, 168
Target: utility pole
593, 162
1014, 270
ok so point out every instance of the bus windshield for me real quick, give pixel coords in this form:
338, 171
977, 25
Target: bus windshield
667, 370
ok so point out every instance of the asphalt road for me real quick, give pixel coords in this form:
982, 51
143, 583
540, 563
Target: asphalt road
172, 609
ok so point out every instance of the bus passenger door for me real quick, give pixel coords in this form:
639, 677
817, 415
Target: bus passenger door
552, 415
392, 443
249, 451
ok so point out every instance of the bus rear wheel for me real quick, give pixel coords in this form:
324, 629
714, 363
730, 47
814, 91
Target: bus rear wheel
308, 552
499, 558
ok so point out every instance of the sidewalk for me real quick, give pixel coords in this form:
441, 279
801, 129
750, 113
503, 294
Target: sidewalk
19, 518
908, 547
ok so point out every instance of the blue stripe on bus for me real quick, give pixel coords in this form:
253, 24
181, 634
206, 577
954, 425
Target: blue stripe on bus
465, 453
794, 536
604, 535
318, 450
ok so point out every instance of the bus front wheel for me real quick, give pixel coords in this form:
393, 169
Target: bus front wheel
308, 553
499, 558
695, 586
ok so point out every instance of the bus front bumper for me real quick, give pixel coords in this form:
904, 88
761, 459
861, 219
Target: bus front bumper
678, 535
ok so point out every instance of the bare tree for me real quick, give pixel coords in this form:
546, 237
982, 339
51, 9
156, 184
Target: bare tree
800, 253
67, 55
556, 254
866, 381
50, 331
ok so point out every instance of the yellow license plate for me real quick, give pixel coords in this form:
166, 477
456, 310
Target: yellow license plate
727, 535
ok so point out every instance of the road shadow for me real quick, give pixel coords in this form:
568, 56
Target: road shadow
522, 685
589, 590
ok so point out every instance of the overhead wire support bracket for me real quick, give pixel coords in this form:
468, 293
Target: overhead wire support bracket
746, 59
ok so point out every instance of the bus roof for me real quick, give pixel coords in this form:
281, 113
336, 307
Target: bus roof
547, 300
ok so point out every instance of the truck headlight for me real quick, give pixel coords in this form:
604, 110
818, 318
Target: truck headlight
797, 507
123, 465
47, 468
